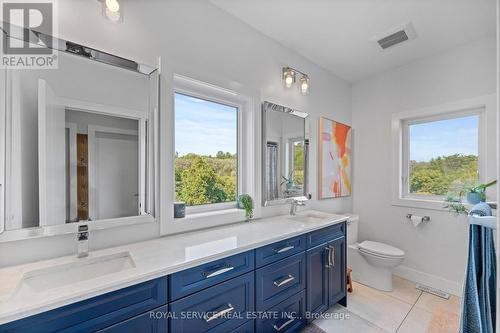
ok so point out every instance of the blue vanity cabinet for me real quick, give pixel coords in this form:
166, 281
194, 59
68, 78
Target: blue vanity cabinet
268, 254
280, 280
337, 272
96, 313
198, 278
218, 309
326, 268
150, 322
317, 278
285, 317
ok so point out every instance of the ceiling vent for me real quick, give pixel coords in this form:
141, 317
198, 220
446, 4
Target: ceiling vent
396, 36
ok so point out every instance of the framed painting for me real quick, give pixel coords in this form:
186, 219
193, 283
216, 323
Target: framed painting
335, 159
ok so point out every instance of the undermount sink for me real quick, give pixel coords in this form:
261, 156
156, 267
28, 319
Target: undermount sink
310, 217
85, 269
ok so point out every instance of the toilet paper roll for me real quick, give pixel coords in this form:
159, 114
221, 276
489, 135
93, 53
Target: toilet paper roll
416, 220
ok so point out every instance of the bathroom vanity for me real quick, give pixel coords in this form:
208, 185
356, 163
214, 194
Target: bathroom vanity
264, 276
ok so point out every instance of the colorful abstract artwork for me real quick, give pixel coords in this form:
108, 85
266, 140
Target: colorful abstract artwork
335, 159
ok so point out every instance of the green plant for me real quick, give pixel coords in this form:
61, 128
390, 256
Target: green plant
245, 202
481, 189
290, 181
454, 205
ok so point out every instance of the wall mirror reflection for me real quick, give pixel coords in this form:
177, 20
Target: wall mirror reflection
79, 146
285, 160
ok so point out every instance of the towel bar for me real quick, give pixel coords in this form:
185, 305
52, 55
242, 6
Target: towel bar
485, 221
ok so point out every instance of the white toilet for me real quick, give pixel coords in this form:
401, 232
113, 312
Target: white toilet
372, 263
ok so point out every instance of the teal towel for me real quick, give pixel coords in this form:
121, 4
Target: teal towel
479, 299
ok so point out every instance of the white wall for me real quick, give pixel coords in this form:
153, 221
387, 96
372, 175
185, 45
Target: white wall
195, 39
435, 253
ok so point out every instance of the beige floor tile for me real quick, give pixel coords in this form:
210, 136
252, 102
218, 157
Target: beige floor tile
404, 290
350, 324
430, 303
378, 308
417, 321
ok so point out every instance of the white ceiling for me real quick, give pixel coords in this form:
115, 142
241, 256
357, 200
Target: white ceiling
337, 34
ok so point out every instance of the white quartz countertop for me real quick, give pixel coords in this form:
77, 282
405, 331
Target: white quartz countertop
152, 259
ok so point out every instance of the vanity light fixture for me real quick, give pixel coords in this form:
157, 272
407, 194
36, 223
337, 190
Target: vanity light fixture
304, 85
289, 75
112, 10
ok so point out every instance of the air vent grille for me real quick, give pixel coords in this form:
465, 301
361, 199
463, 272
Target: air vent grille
393, 39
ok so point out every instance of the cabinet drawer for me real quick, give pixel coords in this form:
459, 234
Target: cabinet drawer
279, 250
220, 308
290, 316
278, 281
248, 327
144, 323
327, 234
96, 313
198, 278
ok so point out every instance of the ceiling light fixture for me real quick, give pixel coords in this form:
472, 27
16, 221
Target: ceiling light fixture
289, 75
112, 5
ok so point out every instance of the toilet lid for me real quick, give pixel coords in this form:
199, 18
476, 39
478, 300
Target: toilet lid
380, 249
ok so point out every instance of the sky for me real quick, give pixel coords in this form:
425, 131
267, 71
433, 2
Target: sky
204, 127
444, 138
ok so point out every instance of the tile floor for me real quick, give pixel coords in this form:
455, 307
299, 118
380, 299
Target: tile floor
404, 310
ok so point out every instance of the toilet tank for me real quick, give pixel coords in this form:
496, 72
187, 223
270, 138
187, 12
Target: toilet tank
352, 228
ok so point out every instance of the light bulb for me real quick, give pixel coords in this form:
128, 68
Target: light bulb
289, 78
113, 5
304, 85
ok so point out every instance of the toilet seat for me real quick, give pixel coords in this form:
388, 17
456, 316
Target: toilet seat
380, 250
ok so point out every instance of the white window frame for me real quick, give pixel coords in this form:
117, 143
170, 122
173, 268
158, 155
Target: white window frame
484, 107
210, 215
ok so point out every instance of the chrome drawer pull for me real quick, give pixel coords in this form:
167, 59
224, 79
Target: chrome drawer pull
285, 324
332, 255
284, 281
285, 249
218, 272
327, 265
218, 314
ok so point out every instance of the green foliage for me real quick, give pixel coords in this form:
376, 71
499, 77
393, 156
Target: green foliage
245, 201
455, 205
202, 180
442, 175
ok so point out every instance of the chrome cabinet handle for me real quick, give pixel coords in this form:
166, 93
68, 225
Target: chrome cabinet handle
218, 272
332, 255
218, 314
327, 265
285, 324
285, 249
286, 280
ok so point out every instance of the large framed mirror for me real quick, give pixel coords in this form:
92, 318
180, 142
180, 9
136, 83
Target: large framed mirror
285, 154
79, 144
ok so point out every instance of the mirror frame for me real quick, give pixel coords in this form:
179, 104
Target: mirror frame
272, 107
149, 118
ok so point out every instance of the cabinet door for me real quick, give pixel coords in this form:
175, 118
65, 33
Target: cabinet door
337, 271
317, 278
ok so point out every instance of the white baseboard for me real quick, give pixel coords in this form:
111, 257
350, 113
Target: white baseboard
433, 281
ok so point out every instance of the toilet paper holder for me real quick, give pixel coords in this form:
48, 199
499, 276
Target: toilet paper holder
424, 218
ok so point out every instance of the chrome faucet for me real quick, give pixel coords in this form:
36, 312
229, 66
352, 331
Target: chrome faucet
294, 203
82, 239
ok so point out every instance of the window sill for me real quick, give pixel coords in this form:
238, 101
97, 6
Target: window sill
206, 220
420, 203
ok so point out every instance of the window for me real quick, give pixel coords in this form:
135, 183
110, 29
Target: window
206, 152
440, 154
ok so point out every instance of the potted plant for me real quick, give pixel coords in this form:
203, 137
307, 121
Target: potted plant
245, 202
289, 182
476, 194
